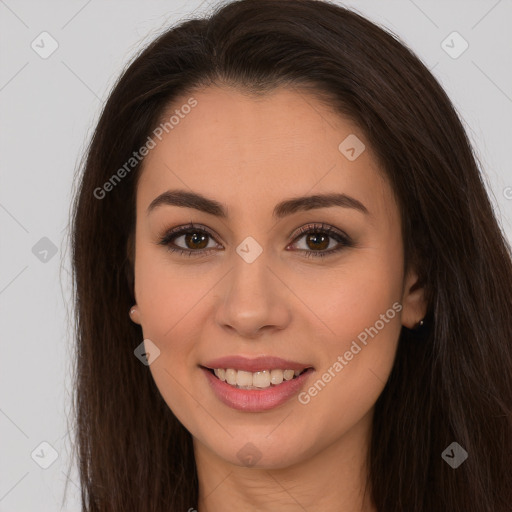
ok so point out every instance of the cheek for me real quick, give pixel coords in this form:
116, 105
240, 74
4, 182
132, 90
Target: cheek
356, 296
166, 301
359, 307
170, 300
361, 310
164, 294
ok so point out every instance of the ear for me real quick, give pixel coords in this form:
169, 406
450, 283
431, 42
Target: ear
129, 274
413, 301
135, 314
129, 264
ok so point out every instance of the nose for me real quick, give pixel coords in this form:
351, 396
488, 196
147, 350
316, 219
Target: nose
253, 300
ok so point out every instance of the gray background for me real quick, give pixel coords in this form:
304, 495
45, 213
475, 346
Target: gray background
48, 110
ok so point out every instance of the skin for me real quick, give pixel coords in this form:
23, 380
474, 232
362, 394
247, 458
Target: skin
249, 154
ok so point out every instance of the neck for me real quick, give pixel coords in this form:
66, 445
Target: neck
330, 480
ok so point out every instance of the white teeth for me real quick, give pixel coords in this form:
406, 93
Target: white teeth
231, 376
257, 380
276, 377
288, 374
243, 378
220, 373
261, 379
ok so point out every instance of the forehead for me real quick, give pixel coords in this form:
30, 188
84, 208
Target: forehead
250, 151
233, 125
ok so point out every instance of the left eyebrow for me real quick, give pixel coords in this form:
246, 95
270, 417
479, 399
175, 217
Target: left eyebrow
185, 199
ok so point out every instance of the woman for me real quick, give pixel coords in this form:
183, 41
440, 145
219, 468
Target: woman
292, 291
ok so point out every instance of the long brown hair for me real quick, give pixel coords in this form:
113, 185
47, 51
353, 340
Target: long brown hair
453, 384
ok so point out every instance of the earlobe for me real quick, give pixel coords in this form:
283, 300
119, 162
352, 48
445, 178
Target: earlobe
413, 302
134, 315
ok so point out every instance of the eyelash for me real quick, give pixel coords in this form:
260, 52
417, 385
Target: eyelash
341, 238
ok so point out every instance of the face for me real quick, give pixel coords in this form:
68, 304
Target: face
319, 284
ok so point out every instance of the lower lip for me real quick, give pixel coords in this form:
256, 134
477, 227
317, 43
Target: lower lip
256, 400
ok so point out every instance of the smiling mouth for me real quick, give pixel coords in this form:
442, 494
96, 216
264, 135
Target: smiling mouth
255, 380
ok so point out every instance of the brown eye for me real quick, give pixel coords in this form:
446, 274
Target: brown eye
188, 240
318, 238
317, 241
196, 240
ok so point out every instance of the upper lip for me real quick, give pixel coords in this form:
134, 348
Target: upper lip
255, 364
